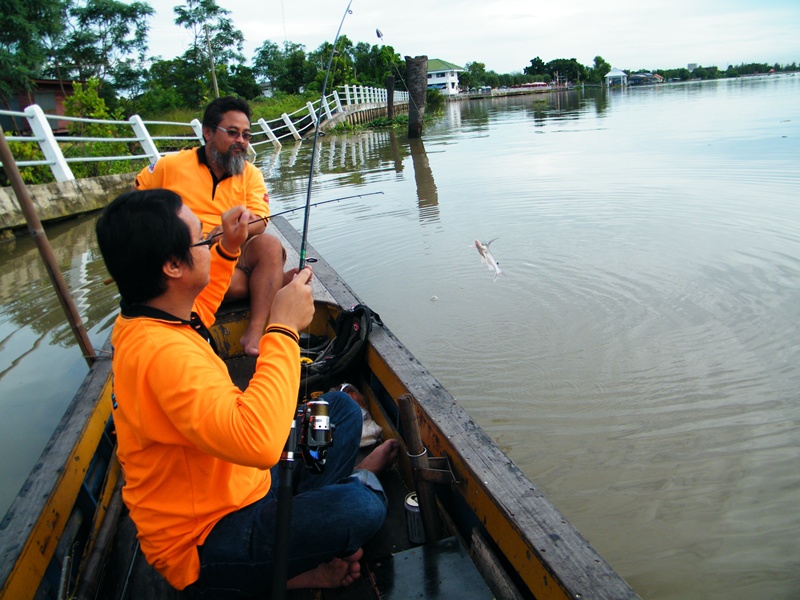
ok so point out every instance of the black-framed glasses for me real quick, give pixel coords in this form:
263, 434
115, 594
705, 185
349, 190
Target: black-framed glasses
208, 241
233, 134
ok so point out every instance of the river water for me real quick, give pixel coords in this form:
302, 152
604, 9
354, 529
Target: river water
639, 358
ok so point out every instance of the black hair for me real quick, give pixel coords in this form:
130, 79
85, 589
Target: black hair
138, 232
219, 106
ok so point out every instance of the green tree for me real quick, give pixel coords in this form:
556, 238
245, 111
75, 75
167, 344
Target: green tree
566, 69
25, 26
342, 65
103, 39
373, 64
86, 103
238, 80
537, 67
268, 62
286, 69
600, 69
475, 75
177, 79
209, 25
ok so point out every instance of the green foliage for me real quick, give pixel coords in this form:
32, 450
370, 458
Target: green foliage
434, 101
598, 72
272, 108
399, 122
342, 128
190, 74
286, 69
25, 25
104, 39
86, 103
342, 65
209, 24
373, 64
23, 152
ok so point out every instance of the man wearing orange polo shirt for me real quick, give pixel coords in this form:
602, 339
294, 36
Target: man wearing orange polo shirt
214, 178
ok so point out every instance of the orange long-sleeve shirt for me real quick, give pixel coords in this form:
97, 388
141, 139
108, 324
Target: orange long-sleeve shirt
193, 447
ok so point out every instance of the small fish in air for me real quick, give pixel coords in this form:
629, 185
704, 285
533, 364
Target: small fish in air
486, 257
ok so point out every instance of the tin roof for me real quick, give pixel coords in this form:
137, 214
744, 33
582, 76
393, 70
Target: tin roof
436, 64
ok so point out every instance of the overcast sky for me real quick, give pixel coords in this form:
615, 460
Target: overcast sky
506, 34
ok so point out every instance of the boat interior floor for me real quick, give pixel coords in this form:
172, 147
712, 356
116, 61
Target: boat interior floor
393, 568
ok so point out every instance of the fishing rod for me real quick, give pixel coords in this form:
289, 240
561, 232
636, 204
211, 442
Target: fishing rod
291, 210
304, 239
286, 463
212, 237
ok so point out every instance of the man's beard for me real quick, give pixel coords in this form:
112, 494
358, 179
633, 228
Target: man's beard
228, 161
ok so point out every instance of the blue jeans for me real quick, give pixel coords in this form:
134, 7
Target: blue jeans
333, 514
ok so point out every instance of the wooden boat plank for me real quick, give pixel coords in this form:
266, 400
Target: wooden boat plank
31, 528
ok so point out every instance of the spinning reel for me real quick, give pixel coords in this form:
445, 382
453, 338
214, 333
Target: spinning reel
316, 434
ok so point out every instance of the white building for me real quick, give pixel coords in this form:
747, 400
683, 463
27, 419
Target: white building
616, 77
443, 76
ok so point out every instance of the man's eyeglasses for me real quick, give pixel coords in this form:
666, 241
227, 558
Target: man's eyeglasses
233, 134
208, 241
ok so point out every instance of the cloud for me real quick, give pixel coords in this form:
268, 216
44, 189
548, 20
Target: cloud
506, 34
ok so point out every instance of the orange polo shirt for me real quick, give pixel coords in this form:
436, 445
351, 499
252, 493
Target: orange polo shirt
193, 447
187, 174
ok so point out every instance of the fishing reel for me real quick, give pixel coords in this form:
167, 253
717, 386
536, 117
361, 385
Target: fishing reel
316, 434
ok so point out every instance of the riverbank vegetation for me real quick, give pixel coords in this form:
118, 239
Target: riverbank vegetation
77, 40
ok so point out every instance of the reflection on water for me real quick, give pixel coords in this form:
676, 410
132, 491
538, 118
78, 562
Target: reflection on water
40, 362
640, 360
423, 176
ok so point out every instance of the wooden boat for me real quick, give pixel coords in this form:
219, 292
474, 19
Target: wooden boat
490, 531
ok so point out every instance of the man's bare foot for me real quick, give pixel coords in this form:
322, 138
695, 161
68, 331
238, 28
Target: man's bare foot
250, 341
339, 572
380, 458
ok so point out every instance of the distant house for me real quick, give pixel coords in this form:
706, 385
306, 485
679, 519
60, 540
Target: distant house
267, 88
49, 94
443, 76
616, 77
643, 78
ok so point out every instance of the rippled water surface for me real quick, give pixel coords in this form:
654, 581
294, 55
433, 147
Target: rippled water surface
639, 357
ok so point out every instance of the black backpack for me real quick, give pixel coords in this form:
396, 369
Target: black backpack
330, 361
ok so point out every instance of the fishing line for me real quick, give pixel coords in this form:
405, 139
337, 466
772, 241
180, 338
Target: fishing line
379, 33
291, 210
304, 239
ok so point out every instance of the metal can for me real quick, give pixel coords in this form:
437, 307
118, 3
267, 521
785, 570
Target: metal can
416, 532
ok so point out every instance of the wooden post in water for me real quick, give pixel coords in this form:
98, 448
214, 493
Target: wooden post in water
417, 78
390, 97
45, 250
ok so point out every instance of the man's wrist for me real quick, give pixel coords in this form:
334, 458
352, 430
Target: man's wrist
227, 254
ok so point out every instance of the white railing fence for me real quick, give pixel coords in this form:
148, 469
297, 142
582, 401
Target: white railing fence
293, 125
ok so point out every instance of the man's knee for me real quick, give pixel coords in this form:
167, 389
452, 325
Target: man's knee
342, 407
268, 247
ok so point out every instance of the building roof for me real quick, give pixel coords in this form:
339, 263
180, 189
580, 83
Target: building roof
616, 73
436, 64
